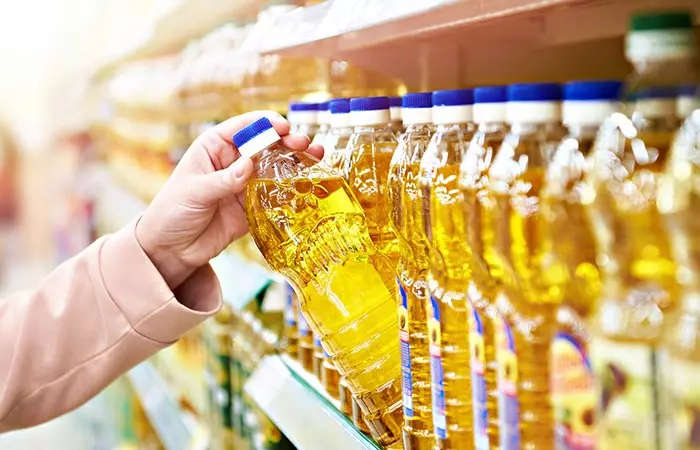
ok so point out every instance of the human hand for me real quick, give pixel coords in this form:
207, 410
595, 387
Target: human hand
200, 210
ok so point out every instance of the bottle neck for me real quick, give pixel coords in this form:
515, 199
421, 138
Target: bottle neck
580, 131
373, 128
526, 128
492, 127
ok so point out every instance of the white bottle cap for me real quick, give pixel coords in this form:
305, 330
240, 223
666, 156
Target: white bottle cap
452, 114
340, 120
586, 112
395, 114
490, 112
533, 112
303, 117
417, 115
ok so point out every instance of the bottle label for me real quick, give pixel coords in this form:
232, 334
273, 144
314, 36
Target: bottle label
628, 390
478, 363
289, 310
685, 391
436, 374
302, 324
508, 407
573, 394
406, 377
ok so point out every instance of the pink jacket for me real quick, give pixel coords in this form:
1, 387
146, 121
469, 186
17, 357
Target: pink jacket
92, 319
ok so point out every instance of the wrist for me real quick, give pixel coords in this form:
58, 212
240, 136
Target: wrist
173, 270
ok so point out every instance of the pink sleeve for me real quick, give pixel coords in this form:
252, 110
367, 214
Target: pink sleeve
93, 318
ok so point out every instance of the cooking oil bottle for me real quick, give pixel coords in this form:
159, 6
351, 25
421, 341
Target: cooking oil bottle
311, 229
586, 106
527, 299
489, 113
324, 124
369, 152
450, 268
291, 329
395, 115
303, 119
412, 266
679, 200
337, 139
640, 293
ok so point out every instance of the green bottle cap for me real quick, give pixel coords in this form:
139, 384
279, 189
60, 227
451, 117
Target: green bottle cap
661, 20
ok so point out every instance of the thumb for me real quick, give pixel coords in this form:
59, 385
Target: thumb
226, 182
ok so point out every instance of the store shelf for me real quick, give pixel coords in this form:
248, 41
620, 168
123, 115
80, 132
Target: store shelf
176, 429
241, 282
283, 389
445, 43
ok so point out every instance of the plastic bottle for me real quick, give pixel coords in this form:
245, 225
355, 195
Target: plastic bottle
640, 291
412, 266
449, 269
528, 298
369, 152
679, 201
395, 114
291, 329
337, 139
310, 228
490, 118
324, 124
586, 106
303, 119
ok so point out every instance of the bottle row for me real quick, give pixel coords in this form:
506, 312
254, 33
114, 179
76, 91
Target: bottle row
516, 270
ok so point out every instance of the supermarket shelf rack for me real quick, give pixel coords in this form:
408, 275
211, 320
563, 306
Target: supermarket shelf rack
175, 428
283, 389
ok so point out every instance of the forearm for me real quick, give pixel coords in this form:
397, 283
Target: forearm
90, 320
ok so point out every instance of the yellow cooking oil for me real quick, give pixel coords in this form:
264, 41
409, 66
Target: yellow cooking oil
291, 328
640, 293
489, 112
310, 228
305, 339
412, 265
368, 156
679, 200
586, 106
531, 289
450, 269
336, 140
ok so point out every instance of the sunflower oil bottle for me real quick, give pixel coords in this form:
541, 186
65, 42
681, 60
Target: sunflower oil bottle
291, 329
311, 229
449, 272
303, 119
640, 292
395, 116
368, 155
489, 112
412, 265
679, 202
324, 124
528, 297
586, 106
339, 134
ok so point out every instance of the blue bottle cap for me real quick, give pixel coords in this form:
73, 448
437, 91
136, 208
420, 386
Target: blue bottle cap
656, 92
251, 131
491, 94
323, 106
369, 103
395, 102
339, 106
303, 106
417, 100
689, 90
453, 97
593, 90
534, 92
